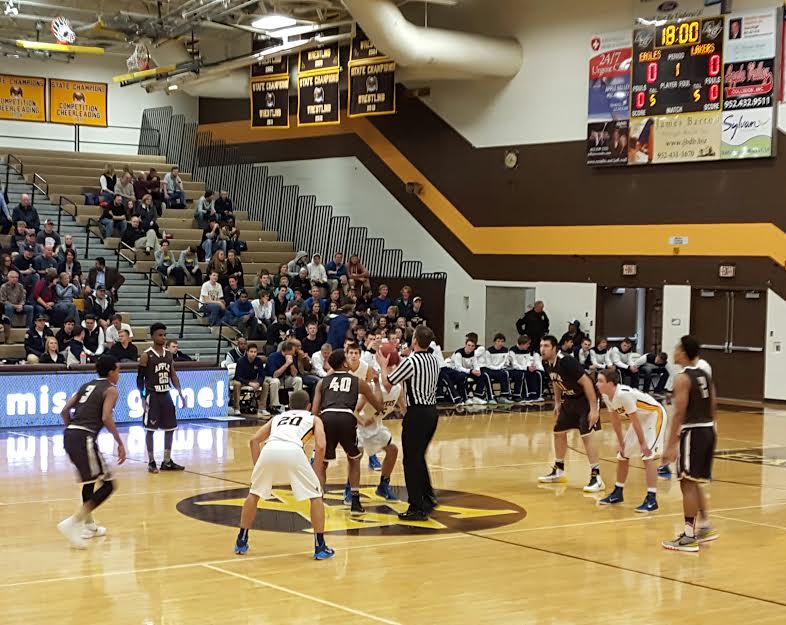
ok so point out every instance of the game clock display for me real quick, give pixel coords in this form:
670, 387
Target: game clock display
677, 68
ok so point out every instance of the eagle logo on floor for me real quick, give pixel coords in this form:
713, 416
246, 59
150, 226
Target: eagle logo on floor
457, 512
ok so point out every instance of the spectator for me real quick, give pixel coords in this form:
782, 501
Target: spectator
526, 371
314, 340
281, 303
218, 264
49, 233
284, 283
65, 291
44, 295
334, 299
223, 207
71, 266
124, 187
44, 262
339, 327
100, 306
535, 324
263, 313
94, 339
27, 213
315, 313
174, 194
52, 355
154, 188
236, 353
304, 367
19, 238
6, 216
13, 297
35, 340
282, 372
600, 354
211, 239
235, 267
6, 266
108, 181
177, 355
468, 361
299, 262
301, 283
187, 270
112, 334
165, 262
250, 371
231, 292
344, 288
278, 332
335, 269
622, 358
205, 209
317, 273
77, 351
404, 303
654, 365
297, 301
65, 334
584, 355
416, 317
566, 346
319, 360
124, 350
138, 237
68, 244
230, 236
574, 332
140, 186
148, 215
392, 316
316, 297
263, 283
114, 217
357, 272
101, 274
240, 314
283, 270
382, 302
30, 241
210, 298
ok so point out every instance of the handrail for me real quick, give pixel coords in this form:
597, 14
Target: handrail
9, 167
34, 186
90, 223
161, 287
119, 253
221, 338
196, 313
60, 209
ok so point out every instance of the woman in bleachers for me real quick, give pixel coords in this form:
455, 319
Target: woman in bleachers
211, 239
219, 264
344, 287
282, 271
148, 215
66, 291
154, 189
71, 266
264, 314
108, 181
165, 262
5, 267
52, 356
235, 267
316, 314
187, 270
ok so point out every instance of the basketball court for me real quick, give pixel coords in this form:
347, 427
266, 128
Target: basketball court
501, 549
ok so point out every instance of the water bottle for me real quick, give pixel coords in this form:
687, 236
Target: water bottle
83, 358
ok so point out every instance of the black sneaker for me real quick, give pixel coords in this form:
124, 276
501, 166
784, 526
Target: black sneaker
170, 465
357, 507
413, 515
152, 467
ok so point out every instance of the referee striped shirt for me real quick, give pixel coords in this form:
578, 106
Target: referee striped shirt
420, 372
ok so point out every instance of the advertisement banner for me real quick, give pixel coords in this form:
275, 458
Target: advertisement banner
672, 10
362, 49
748, 85
22, 98
77, 102
751, 35
609, 77
372, 89
747, 133
687, 137
318, 60
37, 399
270, 103
318, 99
607, 143
274, 66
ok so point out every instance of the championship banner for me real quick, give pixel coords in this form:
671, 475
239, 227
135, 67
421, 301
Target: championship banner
274, 66
372, 89
22, 98
362, 49
319, 60
77, 102
318, 99
270, 103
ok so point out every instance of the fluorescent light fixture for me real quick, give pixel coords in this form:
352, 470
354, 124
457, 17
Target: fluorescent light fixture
173, 87
273, 21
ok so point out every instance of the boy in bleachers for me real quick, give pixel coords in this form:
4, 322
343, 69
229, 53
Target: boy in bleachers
495, 363
526, 371
467, 361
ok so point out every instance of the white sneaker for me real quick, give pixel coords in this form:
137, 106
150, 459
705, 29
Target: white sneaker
557, 476
505, 400
595, 485
263, 413
91, 530
72, 530
478, 401
492, 402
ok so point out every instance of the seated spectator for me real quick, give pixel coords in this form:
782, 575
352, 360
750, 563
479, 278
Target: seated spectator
304, 366
26, 212
147, 213
280, 302
138, 237
339, 327
140, 186
211, 239
392, 316
30, 241
130, 209
114, 217
467, 362
223, 207
250, 371
124, 350
6, 216
65, 334
566, 346
316, 296
281, 372
66, 291
100, 306
599, 355
94, 337
264, 313
52, 355
68, 244
44, 296
44, 262
19, 239
177, 355
358, 274
6, 266
653, 365
495, 366
317, 273
165, 262
48, 237
205, 208
230, 235
187, 270
300, 283
315, 313
263, 283
284, 282
109, 277
278, 332
526, 371
13, 297
35, 340
77, 353
155, 189
240, 314
335, 269
112, 334
416, 317
574, 332
314, 339
174, 193
231, 291
210, 300
319, 360
124, 187
297, 301
344, 288
218, 264
299, 262
584, 355
382, 302
236, 353
108, 181
622, 359
334, 298
404, 303
283, 270
71, 266
235, 267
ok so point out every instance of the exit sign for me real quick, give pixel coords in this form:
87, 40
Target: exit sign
727, 271
629, 269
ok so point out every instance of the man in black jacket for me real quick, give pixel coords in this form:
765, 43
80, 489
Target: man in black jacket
534, 323
65, 334
35, 341
124, 350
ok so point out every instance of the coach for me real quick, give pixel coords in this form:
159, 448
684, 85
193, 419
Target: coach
419, 373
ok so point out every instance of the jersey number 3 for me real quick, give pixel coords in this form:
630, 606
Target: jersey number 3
87, 393
343, 385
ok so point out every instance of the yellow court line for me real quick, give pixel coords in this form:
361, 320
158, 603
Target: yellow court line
730, 239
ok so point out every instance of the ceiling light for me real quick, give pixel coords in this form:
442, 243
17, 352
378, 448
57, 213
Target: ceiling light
272, 22
173, 87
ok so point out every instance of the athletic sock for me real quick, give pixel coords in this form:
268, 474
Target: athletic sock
619, 486
355, 493
560, 464
595, 469
319, 540
652, 492
384, 480
167, 455
149, 443
690, 524
81, 516
242, 535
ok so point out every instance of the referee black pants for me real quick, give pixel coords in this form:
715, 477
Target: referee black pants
420, 423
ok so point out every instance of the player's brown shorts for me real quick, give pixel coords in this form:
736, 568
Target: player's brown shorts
160, 412
697, 448
574, 415
340, 429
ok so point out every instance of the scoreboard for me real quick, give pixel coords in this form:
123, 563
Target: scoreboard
701, 88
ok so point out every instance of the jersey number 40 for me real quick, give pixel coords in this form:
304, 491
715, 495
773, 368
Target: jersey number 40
343, 385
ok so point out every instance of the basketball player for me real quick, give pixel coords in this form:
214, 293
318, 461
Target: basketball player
362, 370
692, 437
283, 459
92, 407
156, 376
335, 400
644, 437
576, 408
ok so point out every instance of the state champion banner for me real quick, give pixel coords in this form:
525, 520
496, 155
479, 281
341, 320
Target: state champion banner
318, 99
362, 49
274, 66
372, 89
270, 103
320, 59
22, 98
77, 102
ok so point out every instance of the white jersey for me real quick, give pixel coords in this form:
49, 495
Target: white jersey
650, 413
628, 400
292, 426
701, 364
390, 400
362, 371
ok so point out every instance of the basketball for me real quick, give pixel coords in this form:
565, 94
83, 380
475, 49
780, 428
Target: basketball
389, 349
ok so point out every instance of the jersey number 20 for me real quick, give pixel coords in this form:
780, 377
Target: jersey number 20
294, 421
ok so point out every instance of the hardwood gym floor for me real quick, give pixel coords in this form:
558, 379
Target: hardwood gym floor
503, 550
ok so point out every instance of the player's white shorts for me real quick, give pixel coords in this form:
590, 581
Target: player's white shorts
281, 463
654, 426
374, 440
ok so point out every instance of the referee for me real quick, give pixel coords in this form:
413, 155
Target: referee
419, 373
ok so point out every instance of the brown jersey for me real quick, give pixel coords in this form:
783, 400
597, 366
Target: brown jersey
339, 392
89, 409
699, 411
158, 372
